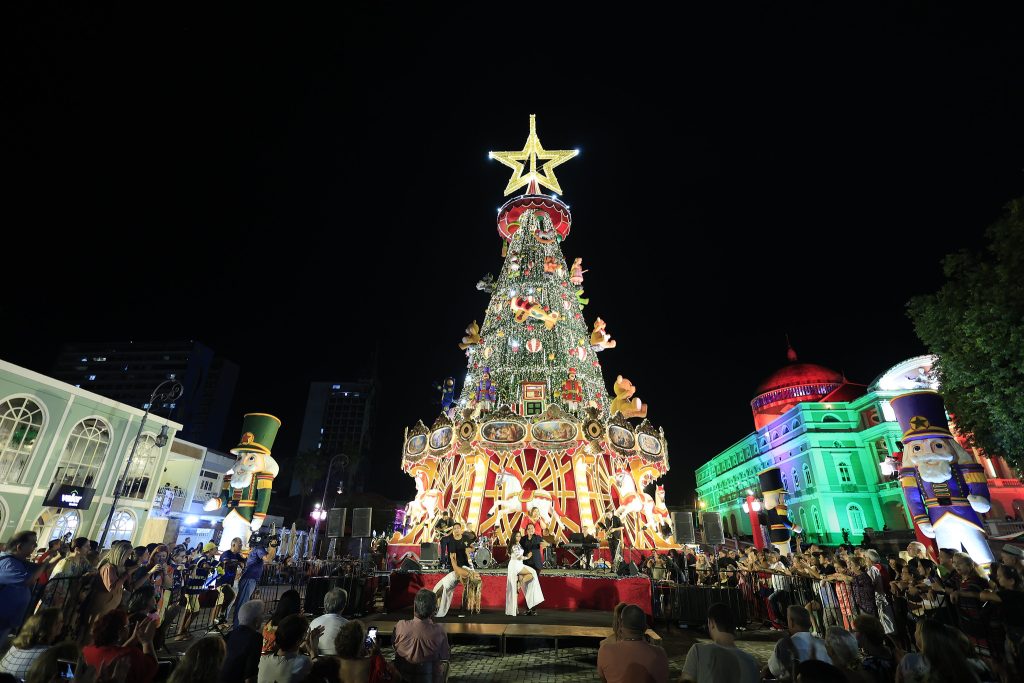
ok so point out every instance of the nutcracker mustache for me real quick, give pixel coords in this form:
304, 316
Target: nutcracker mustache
934, 467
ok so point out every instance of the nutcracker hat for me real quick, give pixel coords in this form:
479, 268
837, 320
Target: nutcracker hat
922, 415
572, 371
258, 433
770, 480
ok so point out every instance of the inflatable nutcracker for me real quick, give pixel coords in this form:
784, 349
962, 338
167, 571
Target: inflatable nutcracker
944, 487
775, 515
248, 484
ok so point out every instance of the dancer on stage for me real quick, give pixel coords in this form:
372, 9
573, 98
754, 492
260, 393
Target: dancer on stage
532, 545
461, 571
521, 577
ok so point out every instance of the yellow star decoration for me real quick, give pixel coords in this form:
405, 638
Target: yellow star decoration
919, 422
531, 152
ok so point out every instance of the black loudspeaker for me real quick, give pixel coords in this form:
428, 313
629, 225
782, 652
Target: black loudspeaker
428, 552
628, 569
713, 532
682, 524
361, 519
336, 522
410, 565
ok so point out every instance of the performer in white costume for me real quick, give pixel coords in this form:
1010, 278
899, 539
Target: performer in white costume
520, 575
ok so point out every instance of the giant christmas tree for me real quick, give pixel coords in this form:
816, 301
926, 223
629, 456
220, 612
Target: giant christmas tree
536, 434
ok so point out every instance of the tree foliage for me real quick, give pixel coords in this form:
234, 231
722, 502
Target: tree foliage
975, 324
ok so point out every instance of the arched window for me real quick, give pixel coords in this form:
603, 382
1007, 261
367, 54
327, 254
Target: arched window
830, 418
84, 453
796, 480
122, 527
21, 423
807, 475
856, 516
144, 463
785, 482
803, 520
844, 473
817, 521
67, 523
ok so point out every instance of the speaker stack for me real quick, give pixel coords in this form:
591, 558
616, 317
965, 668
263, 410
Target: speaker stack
682, 522
361, 522
714, 534
336, 522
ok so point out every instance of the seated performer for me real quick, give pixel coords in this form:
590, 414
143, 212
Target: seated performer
461, 571
521, 577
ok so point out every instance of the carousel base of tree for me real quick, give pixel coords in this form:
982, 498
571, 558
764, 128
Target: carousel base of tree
558, 470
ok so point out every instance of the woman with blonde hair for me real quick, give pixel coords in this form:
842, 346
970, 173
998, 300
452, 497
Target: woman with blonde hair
107, 589
37, 634
202, 662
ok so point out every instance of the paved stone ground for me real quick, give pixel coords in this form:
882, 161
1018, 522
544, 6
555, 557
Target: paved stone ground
529, 660
535, 660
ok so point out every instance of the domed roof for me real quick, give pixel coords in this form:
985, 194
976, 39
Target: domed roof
797, 374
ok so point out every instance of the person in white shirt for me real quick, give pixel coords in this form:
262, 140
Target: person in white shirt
707, 662
798, 646
332, 621
286, 664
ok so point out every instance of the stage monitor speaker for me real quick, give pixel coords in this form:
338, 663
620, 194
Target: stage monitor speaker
361, 521
428, 552
682, 523
409, 564
628, 569
336, 522
713, 532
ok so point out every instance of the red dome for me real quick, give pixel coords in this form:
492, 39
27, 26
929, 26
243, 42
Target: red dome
796, 374
793, 384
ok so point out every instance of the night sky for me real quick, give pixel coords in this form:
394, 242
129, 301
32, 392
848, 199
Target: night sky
298, 190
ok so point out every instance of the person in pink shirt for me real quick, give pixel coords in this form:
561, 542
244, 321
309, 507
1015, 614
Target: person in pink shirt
630, 658
419, 641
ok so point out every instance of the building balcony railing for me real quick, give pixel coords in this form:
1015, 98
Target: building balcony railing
1005, 483
889, 485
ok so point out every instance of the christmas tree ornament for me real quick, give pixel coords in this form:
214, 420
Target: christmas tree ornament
486, 283
472, 336
551, 356
513, 344
534, 345
572, 391
531, 152
625, 402
576, 272
599, 338
580, 300
487, 351
527, 309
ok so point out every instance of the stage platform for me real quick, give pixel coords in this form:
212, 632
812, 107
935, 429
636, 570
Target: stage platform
589, 626
564, 590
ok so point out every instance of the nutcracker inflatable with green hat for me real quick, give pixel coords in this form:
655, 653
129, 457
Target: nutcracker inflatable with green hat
248, 484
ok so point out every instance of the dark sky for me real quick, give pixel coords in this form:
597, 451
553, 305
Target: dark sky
296, 190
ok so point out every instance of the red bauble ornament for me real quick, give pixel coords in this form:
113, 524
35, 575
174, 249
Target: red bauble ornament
578, 316
597, 395
547, 309
529, 328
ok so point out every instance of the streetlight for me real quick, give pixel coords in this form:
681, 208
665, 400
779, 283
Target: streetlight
171, 393
320, 512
